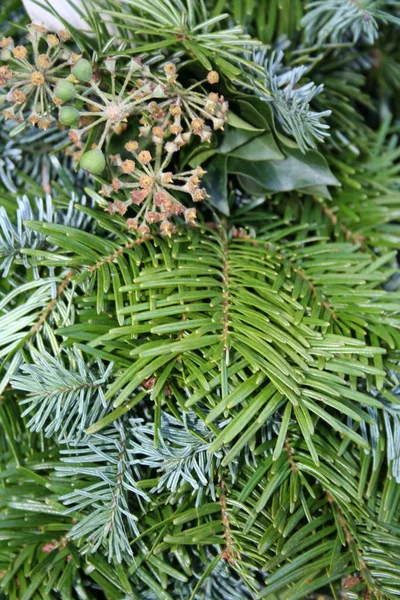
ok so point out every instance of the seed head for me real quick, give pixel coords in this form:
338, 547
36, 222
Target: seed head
64, 35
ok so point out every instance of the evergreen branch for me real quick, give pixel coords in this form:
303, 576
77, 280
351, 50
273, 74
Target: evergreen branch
290, 101
335, 21
107, 460
61, 400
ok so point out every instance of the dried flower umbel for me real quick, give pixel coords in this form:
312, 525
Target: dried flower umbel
169, 116
167, 109
153, 188
29, 74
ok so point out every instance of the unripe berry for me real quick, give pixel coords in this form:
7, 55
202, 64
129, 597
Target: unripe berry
65, 90
83, 70
93, 161
68, 115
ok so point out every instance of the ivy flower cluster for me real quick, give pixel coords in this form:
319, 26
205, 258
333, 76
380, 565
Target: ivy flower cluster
152, 188
163, 114
29, 73
169, 117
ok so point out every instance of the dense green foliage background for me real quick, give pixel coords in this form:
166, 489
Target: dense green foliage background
213, 414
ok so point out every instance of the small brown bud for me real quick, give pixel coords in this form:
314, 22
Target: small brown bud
153, 217
33, 118
5, 75
143, 229
132, 224
75, 137
199, 172
131, 146
106, 191
175, 110
212, 77
64, 35
158, 132
176, 208
176, 129
4, 42
37, 78
38, 28
52, 40
170, 68
20, 52
120, 207
43, 61
167, 178
44, 123
213, 97
116, 184
190, 215
166, 228
138, 196
144, 157
199, 195
145, 181
47, 548
160, 198
128, 166
8, 114
197, 126
18, 97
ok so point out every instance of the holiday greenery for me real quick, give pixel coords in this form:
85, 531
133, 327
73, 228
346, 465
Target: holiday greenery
199, 301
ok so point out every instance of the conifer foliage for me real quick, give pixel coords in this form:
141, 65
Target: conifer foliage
200, 301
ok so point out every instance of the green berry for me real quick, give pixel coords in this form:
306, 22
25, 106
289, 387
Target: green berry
68, 115
93, 161
65, 90
83, 70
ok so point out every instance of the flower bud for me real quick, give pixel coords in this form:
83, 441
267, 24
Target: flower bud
144, 157
131, 146
212, 77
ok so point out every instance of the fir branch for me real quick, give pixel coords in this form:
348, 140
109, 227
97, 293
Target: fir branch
336, 21
181, 456
290, 101
108, 462
62, 400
